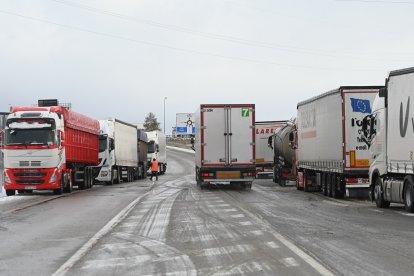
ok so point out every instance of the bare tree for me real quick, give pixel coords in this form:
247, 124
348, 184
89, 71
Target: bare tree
151, 122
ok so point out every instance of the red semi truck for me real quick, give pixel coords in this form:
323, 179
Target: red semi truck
49, 148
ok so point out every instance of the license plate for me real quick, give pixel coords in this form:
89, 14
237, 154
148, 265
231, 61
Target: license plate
228, 175
30, 188
363, 180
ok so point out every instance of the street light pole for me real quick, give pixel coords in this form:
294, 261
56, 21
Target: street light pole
164, 113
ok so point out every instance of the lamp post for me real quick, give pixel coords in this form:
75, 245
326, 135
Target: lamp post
164, 113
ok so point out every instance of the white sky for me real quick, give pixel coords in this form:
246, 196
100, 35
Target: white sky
120, 58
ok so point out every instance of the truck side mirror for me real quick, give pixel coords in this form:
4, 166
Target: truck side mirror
111, 144
157, 147
270, 142
382, 93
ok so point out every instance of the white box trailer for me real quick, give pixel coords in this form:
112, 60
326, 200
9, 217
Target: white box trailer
331, 154
225, 144
390, 132
157, 148
118, 157
264, 154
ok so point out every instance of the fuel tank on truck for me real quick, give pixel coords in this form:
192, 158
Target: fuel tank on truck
282, 144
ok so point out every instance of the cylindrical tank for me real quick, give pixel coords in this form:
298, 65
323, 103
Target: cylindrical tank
281, 144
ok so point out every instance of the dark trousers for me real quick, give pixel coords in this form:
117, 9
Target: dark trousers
154, 174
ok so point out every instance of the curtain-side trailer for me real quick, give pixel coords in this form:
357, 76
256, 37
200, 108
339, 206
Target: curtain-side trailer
331, 155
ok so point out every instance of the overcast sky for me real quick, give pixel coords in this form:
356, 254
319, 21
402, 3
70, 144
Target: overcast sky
120, 58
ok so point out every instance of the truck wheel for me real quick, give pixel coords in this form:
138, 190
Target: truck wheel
281, 181
305, 181
409, 195
329, 179
274, 175
334, 186
379, 196
69, 187
59, 190
117, 180
111, 182
324, 186
10, 192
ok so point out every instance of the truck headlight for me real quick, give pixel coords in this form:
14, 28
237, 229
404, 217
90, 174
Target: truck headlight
6, 178
104, 173
53, 177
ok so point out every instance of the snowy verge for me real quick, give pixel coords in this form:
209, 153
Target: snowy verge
181, 149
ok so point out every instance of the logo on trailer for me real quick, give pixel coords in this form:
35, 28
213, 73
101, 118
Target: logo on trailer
404, 121
360, 105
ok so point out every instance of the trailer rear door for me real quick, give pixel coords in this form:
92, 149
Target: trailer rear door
213, 124
241, 135
357, 104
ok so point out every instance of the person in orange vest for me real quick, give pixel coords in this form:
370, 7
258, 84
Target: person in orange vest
154, 169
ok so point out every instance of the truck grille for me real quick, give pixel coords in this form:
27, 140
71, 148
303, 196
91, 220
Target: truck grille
29, 174
30, 163
30, 181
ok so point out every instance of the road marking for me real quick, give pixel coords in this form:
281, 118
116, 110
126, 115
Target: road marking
289, 262
238, 216
272, 245
230, 210
209, 252
335, 203
376, 210
246, 223
101, 233
257, 232
299, 252
405, 214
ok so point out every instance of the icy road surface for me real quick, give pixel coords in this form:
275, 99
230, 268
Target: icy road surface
174, 228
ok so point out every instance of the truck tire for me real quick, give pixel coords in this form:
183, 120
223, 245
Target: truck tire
69, 187
110, 182
379, 196
324, 184
329, 184
10, 192
305, 180
334, 186
274, 174
117, 180
409, 194
59, 190
281, 181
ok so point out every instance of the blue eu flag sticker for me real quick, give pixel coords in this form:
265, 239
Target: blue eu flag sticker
359, 105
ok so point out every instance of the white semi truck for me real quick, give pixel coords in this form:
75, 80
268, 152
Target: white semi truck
331, 156
157, 148
225, 144
389, 131
118, 152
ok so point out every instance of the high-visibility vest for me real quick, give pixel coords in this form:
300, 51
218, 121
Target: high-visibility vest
154, 166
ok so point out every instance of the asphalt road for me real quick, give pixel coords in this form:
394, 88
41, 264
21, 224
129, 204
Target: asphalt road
174, 228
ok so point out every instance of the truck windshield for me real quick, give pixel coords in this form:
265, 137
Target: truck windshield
103, 143
30, 137
30, 132
151, 147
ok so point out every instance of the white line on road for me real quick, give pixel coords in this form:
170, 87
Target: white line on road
237, 216
289, 262
101, 233
406, 214
295, 249
245, 223
272, 245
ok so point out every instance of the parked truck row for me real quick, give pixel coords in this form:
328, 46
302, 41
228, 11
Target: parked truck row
354, 140
50, 147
